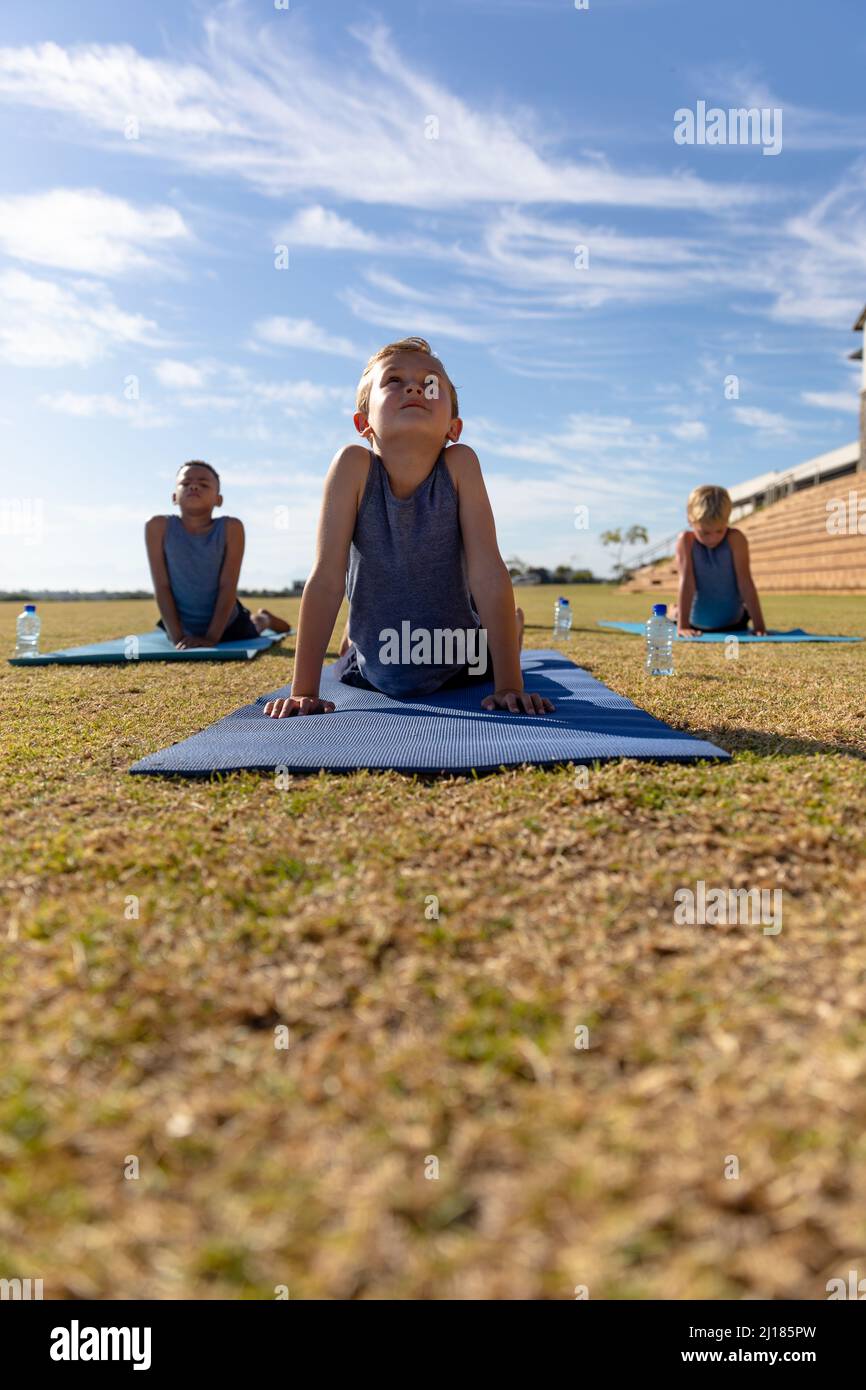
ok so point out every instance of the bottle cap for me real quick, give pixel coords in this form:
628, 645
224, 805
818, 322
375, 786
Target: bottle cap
660, 610
566, 602
30, 608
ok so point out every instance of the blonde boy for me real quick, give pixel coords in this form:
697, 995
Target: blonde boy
407, 534
717, 592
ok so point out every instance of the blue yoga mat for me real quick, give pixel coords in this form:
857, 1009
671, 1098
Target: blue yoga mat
149, 646
796, 634
446, 732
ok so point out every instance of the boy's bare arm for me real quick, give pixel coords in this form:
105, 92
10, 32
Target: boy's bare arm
745, 583
325, 589
154, 536
228, 586
686, 593
490, 585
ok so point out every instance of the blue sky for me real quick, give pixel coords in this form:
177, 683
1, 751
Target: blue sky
153, 157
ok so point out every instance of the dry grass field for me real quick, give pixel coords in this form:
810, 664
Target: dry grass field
157, 935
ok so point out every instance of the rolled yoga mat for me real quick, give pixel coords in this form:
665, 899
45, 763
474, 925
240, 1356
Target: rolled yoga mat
446, 732
796, 634
149, 646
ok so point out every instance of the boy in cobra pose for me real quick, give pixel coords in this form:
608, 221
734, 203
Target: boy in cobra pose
717, 592
407, 534
195, 561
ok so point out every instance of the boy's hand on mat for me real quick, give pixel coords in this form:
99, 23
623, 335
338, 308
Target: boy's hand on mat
518, 702
298, 704
187, 641
687, 632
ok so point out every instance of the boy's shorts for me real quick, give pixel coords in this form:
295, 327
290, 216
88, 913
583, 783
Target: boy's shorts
739, 626
346, 670
240, 627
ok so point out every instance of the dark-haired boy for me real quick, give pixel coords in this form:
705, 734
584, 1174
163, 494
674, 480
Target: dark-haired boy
195, 561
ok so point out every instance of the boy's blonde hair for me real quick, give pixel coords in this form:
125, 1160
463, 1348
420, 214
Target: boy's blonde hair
362, 397
709, 503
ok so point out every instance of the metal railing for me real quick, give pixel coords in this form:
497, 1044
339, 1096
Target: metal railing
782, 487
653, 552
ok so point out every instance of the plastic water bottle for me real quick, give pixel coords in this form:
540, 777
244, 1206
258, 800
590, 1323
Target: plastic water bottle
27, 631
562, 617
660, 642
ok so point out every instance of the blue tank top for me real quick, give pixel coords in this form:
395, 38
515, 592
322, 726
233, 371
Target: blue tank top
406, 573
194, 563
717, 601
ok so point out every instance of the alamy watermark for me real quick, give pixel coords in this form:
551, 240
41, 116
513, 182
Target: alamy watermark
22, 516
703, 906
77, 1343
20, 1289
846, 517
856, 1287
738, 126
439, 646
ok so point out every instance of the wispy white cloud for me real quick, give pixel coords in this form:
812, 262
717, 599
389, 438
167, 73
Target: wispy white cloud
532, 264
523, 271
846, 401
256, 433
587, 264
304, 334
252, 106
325, 230
87, 230
98, 514
48, 325
805, 127
291, 398
234, 390
179, 375
296, 397
140, 414
589, 447
260, 104
420, 315
820, 277
689, 430
768, 424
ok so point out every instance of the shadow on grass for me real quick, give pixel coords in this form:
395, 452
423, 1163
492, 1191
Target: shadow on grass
282, 651
589, 631
775, 745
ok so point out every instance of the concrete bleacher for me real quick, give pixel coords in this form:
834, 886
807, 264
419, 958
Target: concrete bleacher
790, 546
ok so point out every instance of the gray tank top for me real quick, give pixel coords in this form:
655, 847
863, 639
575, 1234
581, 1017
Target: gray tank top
717, 601
407, 566
194, 564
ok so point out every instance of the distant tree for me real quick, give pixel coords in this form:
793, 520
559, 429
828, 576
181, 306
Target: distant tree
635, 535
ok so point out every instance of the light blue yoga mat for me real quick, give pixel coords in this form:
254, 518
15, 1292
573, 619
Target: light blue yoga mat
149, 646
796, 634
447, 732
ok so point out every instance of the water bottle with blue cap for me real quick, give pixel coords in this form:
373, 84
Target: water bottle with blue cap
561, 617
660, 642
27, 631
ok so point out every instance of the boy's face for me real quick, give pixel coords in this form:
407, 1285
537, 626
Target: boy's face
410, 398
710, 533
195, 490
